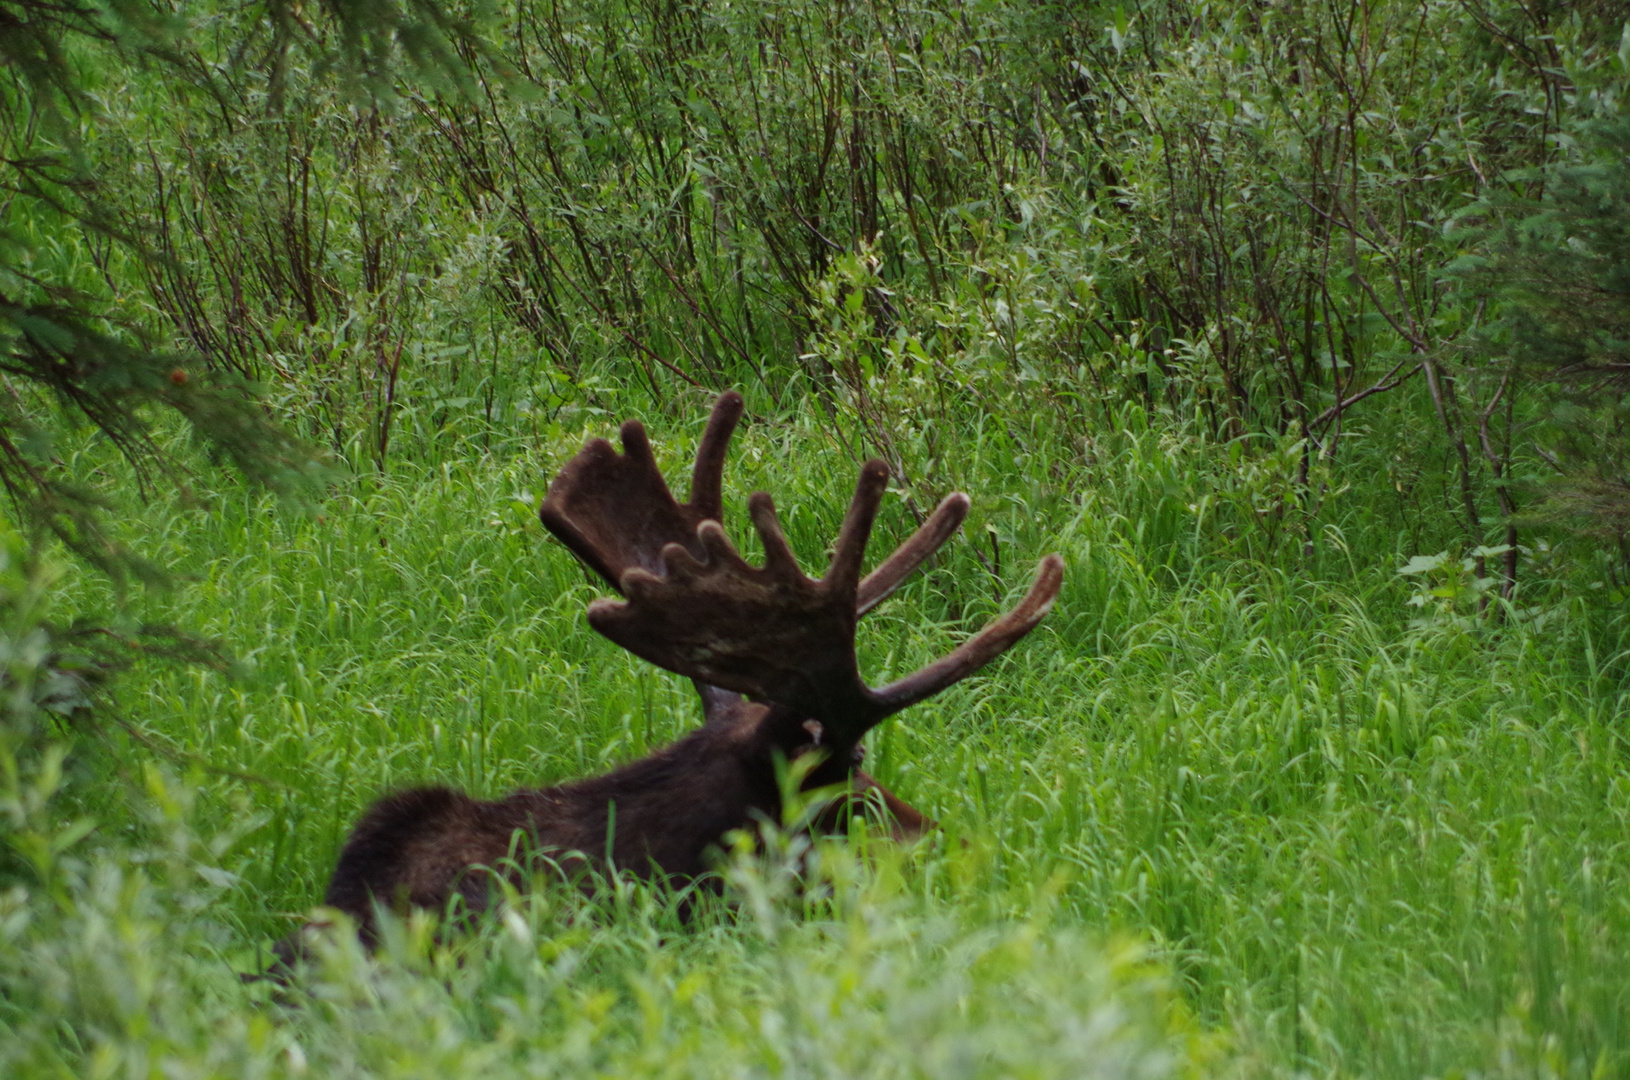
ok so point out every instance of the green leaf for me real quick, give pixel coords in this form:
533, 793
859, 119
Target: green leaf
1424, 564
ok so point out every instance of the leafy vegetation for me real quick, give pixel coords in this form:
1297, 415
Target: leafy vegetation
1294, 327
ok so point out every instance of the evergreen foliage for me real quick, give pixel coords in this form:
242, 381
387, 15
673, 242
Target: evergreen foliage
1560, 271
72, 336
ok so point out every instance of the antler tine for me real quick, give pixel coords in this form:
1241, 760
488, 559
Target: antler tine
980, 649
778, 556
595, 458
843, 576
707, 477
941, 525
771, 633
637, 448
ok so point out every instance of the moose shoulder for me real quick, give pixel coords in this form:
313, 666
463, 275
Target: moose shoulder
770, 651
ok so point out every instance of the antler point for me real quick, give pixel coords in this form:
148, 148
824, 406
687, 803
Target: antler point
604, 606
635, 441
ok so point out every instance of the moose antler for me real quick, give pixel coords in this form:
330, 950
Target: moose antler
615, 512
779, 636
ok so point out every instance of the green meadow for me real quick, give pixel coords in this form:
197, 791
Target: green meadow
1212, 816
1318, 768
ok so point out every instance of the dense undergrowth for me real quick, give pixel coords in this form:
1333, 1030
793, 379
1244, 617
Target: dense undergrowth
1318, 767
1355, 835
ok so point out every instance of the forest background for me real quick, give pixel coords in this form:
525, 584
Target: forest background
1299, 327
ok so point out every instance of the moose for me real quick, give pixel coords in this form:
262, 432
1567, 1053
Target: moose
769, 650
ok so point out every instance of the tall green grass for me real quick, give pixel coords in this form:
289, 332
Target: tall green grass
1360, 838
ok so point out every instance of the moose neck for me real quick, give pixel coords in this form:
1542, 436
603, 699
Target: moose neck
777, 731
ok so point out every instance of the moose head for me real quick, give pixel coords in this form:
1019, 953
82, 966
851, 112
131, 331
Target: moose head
770, 651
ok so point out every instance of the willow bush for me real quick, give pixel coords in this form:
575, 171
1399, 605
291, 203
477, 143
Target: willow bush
915, 211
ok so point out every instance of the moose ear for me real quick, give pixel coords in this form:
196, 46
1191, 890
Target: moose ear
718, 704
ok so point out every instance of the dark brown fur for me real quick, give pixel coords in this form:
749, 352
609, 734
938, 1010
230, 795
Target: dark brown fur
660, 816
